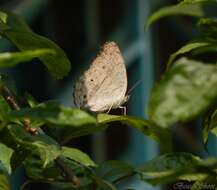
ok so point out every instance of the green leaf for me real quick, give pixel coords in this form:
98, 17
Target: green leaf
3, 17
4, 181
210, 125
103, 184
18, 157
5, 168
17, 31
66, 133
56, 114
12, 59
187, 48
197, 1
13, 20
52, 173
179, 9
77, 155
49, 174
42, 145
184, 92
56, 185
175, 166
31, 101
35, 170
145, 126
5, 157
114, 170
208, 27
4, 110
62, 123
207, 183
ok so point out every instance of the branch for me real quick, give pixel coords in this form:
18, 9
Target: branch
10, 98
67, 172
124, 177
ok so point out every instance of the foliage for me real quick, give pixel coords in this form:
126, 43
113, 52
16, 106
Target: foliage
186, 91
13, 28
172, 97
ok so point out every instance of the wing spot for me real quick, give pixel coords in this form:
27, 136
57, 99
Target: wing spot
91, 80
103, 67
85, 96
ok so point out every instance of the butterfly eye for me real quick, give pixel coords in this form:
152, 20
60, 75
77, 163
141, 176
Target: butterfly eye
85, 96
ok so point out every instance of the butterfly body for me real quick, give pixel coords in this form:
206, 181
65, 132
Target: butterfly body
103, 86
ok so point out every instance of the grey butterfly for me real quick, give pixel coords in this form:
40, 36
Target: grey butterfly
103, 86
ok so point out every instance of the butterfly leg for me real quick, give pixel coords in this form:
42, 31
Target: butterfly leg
124, 109
109, 109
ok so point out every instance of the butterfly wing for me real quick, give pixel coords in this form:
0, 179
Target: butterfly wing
104, 84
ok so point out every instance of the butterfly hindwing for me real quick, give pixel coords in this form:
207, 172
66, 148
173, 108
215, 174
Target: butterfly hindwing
104, 84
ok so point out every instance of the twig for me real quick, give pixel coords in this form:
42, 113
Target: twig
68, 174
123, 177
10, 98
8, 95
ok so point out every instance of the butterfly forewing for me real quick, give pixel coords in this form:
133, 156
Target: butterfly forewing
103, 86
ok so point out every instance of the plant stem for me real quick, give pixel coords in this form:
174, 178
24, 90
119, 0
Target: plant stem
68, 174
123, 177
10, 98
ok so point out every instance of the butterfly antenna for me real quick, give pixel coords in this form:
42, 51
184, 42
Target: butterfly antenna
134, 86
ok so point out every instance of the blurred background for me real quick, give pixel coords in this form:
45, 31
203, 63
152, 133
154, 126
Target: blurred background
80, 28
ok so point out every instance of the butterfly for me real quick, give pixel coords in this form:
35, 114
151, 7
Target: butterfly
103, 85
